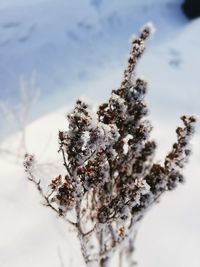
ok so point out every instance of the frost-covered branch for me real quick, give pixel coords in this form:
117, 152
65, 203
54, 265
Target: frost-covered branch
111, 179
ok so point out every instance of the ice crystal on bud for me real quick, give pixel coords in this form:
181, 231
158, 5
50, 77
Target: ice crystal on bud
111, 179
29, 162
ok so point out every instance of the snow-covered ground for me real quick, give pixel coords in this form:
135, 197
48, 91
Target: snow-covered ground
65, 44
31, 235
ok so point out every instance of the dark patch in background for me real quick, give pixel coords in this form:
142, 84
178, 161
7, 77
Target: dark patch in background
191, 8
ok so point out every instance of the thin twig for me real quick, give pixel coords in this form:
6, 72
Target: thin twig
46, 198
60, 257
65, 162
121, 258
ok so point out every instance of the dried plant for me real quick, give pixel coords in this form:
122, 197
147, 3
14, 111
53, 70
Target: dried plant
111, 180
17, 117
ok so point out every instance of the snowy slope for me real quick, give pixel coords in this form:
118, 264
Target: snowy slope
70, 41
32, 235
67, 44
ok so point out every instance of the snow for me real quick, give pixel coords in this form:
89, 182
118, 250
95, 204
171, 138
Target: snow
30, 234
18, 3
46, 38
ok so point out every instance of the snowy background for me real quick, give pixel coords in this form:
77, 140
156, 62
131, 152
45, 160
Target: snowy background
67, 49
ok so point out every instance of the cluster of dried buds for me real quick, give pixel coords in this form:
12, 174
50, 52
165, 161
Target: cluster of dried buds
111, 179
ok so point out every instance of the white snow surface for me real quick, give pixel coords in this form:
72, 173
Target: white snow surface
65, 41
31, 235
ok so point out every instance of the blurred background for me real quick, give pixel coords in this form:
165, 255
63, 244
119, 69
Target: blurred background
53, 52
58, 48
